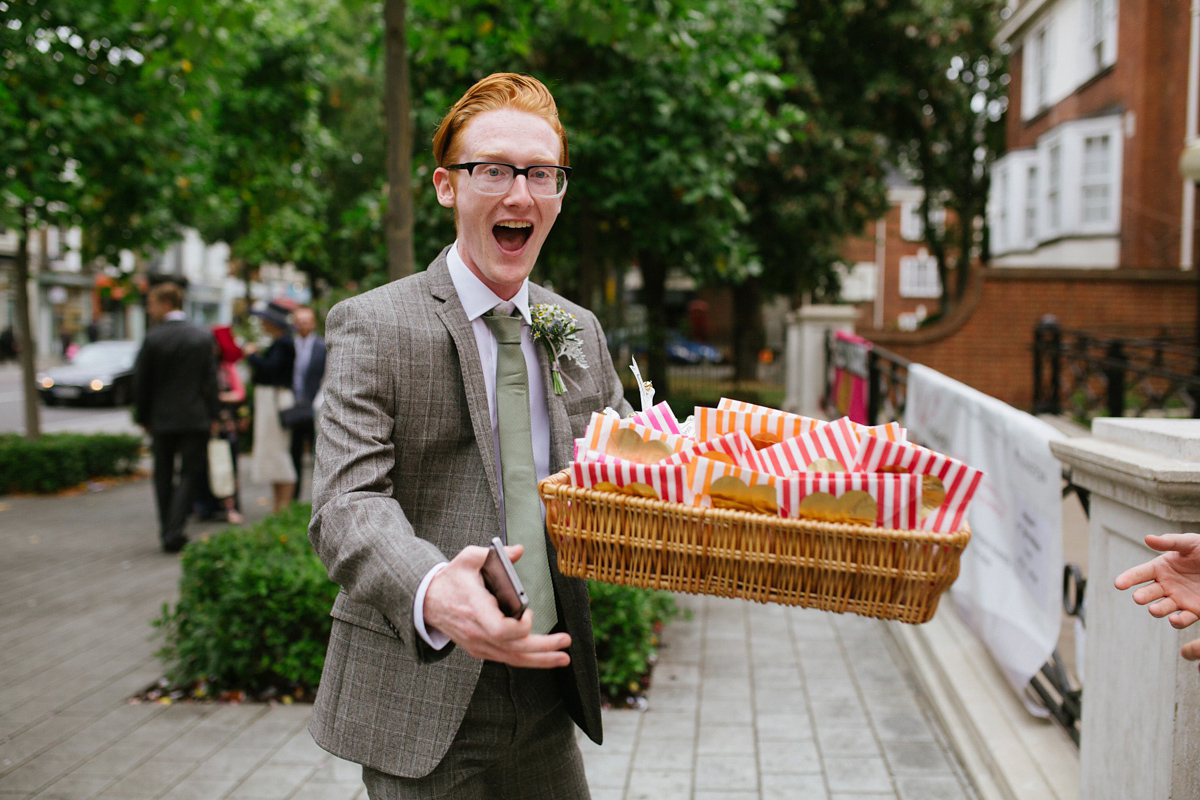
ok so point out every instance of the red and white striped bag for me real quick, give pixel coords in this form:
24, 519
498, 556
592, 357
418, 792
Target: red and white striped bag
836, 442
957, 480
882, 499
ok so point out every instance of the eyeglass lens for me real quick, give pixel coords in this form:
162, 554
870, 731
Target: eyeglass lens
498, 178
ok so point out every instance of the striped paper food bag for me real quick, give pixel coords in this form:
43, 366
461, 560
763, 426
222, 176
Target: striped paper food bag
659, 417
883, 499
827, 448
733, 448
655, 481
720, 485
892, 431
764, 428
948, 486
625, 439
725, 404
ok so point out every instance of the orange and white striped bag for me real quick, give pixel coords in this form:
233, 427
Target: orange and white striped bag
718, 484
625, 439
764, 428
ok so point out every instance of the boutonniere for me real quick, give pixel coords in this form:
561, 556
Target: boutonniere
556, 329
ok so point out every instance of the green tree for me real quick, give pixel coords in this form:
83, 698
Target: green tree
95, 126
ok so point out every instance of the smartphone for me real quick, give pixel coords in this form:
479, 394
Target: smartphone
501, 579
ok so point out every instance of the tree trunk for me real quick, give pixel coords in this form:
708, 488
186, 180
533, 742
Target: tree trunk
590, 275
33, 424
654, 295
747, 328
398, 223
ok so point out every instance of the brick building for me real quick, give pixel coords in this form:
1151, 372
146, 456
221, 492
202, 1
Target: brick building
1090, 218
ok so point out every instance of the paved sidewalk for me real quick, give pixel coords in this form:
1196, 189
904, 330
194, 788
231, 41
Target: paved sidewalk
749, 701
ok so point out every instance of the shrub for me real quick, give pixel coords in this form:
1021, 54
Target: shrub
626, 623
57, 461
253, 610
253, 615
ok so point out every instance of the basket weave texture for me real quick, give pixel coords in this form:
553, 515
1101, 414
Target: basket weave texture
876, 572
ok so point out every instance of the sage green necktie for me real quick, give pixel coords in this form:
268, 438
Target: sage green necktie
522, 509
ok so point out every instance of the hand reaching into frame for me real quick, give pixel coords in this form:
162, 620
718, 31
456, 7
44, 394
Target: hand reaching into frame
1172, 583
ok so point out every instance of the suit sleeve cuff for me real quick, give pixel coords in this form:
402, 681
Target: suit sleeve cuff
431, 636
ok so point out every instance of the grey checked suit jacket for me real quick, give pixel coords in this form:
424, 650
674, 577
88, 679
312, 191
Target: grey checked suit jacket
404, 479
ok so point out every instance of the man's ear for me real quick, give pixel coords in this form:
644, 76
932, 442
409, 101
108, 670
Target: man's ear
444, 184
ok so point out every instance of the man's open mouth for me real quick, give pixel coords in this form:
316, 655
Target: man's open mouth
512, 236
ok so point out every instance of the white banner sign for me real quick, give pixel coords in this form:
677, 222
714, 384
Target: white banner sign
1009, 590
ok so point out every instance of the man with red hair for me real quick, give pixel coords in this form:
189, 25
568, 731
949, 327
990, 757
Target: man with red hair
439, 410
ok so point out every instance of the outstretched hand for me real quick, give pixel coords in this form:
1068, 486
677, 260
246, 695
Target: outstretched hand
1172, 582
459, 605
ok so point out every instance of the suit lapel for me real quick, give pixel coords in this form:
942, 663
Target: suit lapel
561, 440
452, 315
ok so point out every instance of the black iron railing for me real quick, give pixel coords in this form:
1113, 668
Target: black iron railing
1087, 374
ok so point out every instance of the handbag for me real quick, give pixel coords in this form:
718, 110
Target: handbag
220, 468
289, 412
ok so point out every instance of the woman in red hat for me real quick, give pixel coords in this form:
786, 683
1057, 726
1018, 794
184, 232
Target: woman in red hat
232, 393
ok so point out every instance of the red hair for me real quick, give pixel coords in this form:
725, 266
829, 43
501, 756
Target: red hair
501, 90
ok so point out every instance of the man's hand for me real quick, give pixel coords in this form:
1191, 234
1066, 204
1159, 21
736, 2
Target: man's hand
460, 606
1174, 583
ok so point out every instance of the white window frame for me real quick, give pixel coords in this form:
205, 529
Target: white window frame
1078, 132
1029, 203
1039, 51
919, 276
1099, 31
1051, 174
998, 207
859, 281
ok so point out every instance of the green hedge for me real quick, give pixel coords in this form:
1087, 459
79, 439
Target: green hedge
253, 610
253, 615
57, 461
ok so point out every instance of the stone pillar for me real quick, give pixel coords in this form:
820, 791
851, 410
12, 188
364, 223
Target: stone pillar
1141, 701
805, 353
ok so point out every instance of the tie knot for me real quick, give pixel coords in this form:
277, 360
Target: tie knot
506, 329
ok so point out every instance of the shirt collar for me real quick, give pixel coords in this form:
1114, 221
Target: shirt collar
476, 298
172, 316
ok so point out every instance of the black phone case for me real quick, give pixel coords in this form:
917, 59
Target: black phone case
501, 580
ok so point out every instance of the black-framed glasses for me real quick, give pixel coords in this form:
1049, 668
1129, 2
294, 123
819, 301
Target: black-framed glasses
491, 177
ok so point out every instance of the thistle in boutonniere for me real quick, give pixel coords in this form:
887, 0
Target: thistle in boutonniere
556, 329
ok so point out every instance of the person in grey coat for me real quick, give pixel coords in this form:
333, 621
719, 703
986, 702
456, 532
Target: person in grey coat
426, 683
175, 401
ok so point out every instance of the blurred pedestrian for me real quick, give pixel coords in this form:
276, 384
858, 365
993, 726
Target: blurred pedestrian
175, 401
231, 391
8, 344
271, 374
306, 382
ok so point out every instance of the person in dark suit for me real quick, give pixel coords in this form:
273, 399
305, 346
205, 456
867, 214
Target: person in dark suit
175, 401
306, 382
426, 683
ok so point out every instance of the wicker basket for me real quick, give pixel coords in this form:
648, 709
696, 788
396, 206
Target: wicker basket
876, 572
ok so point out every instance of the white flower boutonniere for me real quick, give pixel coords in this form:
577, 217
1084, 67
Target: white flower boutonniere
556, 329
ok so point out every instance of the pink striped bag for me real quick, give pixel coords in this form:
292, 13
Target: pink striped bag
813, 451
659, 417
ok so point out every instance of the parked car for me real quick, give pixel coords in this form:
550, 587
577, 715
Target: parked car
101, 372
680, 350
686, 351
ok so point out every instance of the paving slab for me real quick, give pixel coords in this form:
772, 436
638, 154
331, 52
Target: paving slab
748, 700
